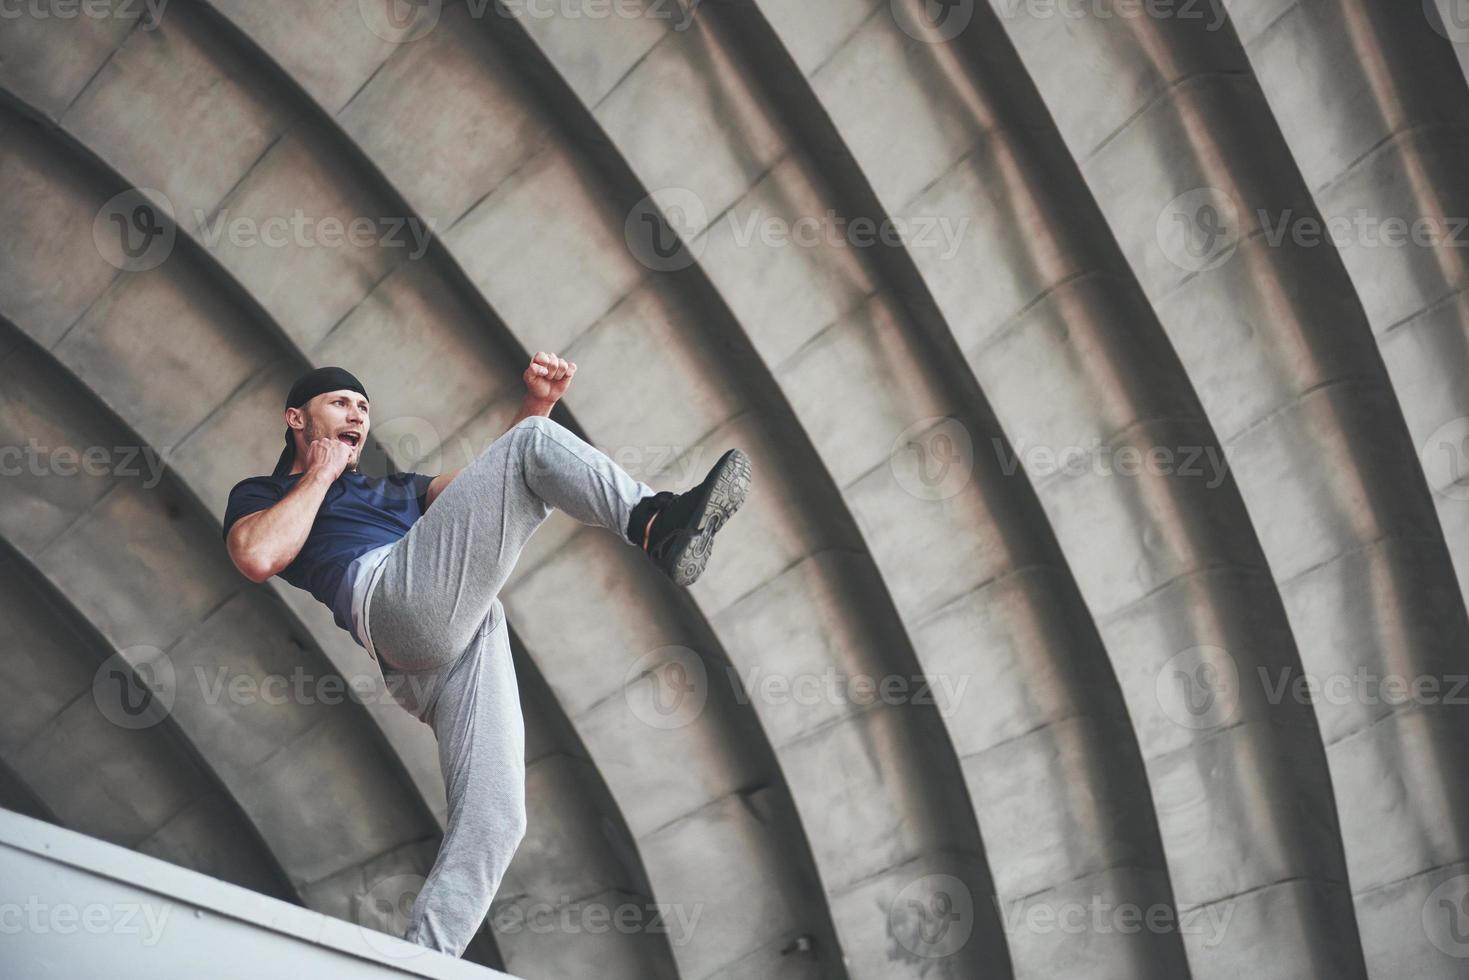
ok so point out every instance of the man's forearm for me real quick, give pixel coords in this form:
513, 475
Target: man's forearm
528, 408
274, 537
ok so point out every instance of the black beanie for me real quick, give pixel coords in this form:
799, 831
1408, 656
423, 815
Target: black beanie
307, 387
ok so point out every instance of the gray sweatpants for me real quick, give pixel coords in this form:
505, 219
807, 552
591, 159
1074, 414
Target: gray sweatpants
434, 619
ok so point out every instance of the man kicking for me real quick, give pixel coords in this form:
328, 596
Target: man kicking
412, 566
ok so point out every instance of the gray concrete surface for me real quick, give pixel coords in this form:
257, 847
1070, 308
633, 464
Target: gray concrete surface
1107, 209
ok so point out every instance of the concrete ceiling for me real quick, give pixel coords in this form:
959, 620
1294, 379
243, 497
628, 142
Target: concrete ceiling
1105, 250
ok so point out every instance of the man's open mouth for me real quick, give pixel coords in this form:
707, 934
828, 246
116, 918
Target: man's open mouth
350, 438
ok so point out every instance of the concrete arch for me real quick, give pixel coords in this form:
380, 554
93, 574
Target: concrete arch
741, 775
1388, 138
560, 785
145, 789
1314, 433
1059, 336
69, 532
415, 747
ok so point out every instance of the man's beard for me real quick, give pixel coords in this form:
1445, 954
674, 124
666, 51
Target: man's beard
312, 435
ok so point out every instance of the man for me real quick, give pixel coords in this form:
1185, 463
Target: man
412, 565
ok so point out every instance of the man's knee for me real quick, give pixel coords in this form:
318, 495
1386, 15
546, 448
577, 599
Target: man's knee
532, 449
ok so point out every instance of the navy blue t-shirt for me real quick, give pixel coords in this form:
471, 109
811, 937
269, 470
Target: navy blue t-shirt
358, 513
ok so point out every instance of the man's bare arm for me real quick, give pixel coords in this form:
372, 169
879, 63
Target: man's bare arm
530, 406
263, 543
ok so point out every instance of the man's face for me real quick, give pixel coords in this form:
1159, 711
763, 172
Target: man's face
339, 415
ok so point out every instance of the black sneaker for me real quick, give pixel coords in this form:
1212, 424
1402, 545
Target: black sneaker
683, 535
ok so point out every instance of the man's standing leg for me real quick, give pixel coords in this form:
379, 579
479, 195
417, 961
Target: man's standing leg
434, 616
477, 719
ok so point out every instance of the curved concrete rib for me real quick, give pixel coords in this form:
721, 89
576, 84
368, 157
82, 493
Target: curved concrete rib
748, 842
1276, 342
578, 861
1376, 114
17, 797
1063, 343
143, 787
109, 544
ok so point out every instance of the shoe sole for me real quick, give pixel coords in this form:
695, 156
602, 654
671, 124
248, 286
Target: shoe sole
723, 495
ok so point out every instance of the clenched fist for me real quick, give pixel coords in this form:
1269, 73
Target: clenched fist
328, 455
548, 377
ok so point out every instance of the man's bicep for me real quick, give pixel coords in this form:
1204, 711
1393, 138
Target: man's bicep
234, 538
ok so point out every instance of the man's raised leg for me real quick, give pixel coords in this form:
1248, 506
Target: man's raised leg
437, 583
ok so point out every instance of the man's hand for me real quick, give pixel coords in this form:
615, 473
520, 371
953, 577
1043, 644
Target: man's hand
330, 456
548, 377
